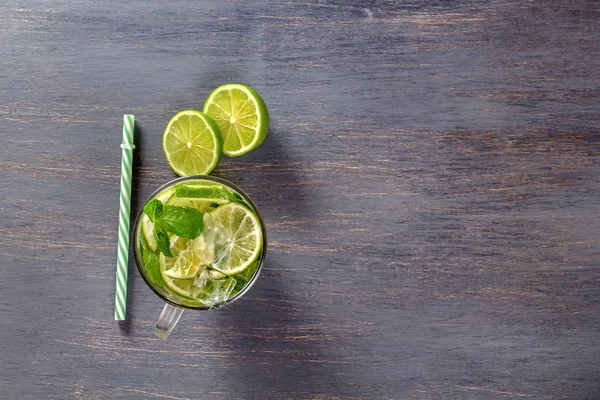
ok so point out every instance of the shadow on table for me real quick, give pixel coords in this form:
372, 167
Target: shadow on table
136, 203
278, 341
279, 180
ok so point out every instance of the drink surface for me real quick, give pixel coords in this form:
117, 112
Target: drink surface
199, 270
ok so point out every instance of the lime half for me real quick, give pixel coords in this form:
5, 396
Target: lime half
192, 143
241, 237
241, 115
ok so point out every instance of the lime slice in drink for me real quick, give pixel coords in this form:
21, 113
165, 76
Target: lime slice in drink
199, 286
147, 230
183, 287
188, 257
148, 226
241, 115
185, 266
204, 205
239, 237
204, 197
204, 192
192, 143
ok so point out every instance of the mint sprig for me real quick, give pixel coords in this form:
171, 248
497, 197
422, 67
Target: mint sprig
162, 240
151, 265
186, 222
154, 209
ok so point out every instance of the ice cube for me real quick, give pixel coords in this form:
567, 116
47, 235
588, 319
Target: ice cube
212, 291
184, 261
221, 289
202, 250
184, 267
218, 236
200, 282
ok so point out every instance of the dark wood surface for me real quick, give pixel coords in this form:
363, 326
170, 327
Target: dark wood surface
430, 186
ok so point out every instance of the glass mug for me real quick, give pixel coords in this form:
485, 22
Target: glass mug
149, 264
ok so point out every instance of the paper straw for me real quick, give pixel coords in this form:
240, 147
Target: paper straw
124, 208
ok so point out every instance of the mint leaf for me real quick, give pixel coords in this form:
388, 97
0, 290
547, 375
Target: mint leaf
154, 210
152, 266
162, 239
186, 222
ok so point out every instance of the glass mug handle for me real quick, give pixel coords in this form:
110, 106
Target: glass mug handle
167, 320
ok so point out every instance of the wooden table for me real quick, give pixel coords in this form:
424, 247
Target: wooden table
430, 186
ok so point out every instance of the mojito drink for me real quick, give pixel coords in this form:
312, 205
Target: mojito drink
199, 242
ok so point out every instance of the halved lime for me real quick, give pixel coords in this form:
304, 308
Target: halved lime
242, 234
241, 115
192, 143
148, 226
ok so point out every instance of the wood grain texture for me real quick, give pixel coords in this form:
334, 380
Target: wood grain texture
429, 185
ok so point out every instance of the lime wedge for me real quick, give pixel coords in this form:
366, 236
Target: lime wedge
147, 229
202, 287
204, 205
192, 143
185, 266
240, 237
204, 192
189, 256
183, 287
241, 115
148, 226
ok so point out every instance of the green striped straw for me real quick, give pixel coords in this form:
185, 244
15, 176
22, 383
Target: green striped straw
124, 209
